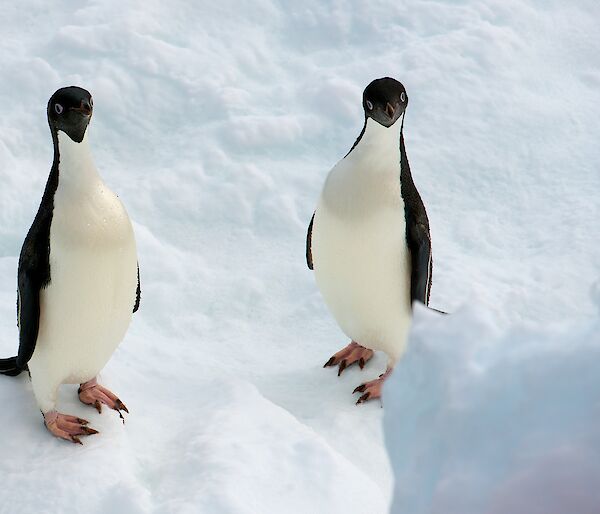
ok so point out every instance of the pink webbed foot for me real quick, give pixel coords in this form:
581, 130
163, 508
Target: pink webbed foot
354, 352
67, 427
372, 389
92, 393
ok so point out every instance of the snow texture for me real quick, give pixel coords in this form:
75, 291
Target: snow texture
216, 124
485, 420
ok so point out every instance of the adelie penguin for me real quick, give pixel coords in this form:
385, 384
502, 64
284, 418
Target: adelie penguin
368, 241
78, 277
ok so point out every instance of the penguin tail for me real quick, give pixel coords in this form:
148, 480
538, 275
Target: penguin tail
9, 367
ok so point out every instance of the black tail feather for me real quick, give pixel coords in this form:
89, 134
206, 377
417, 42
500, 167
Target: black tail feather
9, 367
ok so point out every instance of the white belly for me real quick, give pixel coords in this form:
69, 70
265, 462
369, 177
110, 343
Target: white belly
361, 260
86, 309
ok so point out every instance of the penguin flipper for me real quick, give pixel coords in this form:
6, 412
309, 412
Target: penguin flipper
33, 275
419, 243
417, 232
309, 259
28, 321
138, 292
438, 311
28, 311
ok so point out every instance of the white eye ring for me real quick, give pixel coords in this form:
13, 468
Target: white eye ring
369, 105
402, 96
91, 102
58, 108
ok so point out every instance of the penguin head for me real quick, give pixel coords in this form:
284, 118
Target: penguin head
385, 100
70, 110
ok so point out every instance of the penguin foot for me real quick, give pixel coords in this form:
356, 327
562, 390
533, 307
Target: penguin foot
92, 393
372, 389
354, 352
67, 427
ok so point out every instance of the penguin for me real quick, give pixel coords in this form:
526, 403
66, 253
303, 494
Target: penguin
78, 275
369, 242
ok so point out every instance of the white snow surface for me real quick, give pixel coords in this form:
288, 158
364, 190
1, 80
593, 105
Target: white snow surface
480, 419
216, 123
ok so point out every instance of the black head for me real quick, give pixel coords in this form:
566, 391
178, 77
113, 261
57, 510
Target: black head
385, 100
70, 110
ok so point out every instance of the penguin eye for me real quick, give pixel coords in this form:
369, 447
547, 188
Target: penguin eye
402, 96
369, 105
58, 108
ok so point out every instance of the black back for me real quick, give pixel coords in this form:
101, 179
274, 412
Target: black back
34, 270
418, 237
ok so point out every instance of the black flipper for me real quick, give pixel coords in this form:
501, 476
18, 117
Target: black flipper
29, 318
138, 292
438, 311
28, 313
417, 233
309, 260
33, 275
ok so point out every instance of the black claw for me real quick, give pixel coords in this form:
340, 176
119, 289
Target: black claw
98, 406
88, 430
361, 363
329, 362
360, 389
342, 367
76, 439
363, 398
82, 421
119, 405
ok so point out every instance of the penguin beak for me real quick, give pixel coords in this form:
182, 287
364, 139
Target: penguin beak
85, 108
391, 113
389, 110
387, 115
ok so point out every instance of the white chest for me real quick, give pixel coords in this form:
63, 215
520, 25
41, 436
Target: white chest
88, 304
88, 218
360, 256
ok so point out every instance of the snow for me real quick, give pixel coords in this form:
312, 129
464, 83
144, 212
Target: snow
216, 124
484, 419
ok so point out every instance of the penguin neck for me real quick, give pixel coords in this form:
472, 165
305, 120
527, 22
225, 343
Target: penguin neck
384, 137
76, 169
379, 146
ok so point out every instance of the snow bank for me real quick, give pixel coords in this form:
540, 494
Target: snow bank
485, 419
